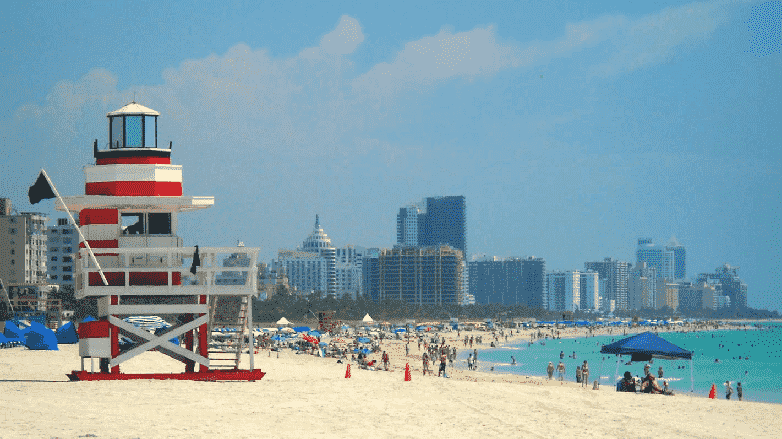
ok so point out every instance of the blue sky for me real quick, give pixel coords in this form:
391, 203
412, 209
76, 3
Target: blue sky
572, 127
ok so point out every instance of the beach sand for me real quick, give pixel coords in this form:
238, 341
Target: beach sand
308, 396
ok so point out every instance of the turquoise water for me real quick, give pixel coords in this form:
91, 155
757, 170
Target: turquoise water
760, 374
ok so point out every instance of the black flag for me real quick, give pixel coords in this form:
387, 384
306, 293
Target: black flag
196, 261
40, 190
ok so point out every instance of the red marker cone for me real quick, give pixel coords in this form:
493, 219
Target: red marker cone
347, 372
713, 392
407, 373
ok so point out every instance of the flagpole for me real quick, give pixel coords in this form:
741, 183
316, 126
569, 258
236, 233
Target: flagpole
86, 244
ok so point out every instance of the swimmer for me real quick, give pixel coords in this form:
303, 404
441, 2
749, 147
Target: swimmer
512, 360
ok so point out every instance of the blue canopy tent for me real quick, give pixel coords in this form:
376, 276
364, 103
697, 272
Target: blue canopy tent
40, 338
644, 347
364, 340
12, 331
400, 330
302, 329
66, 334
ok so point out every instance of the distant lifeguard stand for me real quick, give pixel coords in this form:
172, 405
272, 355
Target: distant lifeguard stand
129, 216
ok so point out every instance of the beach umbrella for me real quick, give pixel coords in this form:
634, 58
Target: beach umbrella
302, 329
367, 319
283, 321
400, 330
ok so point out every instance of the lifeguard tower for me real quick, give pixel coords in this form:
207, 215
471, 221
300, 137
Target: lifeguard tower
129, 215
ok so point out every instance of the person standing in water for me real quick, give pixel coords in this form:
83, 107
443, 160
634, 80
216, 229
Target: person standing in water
585, 374
739, 391
728, 390
550, 370
660, 372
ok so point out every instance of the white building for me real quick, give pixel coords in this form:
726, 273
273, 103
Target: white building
349, 263
563, 290
589, 290
407, 225
312, 267
642, 287
61, 241
23, 249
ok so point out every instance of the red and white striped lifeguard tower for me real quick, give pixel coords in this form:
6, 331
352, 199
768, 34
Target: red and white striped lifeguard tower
128, 215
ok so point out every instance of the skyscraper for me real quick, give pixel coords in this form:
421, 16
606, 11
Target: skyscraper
655, 256
495, 280
679, 258
313, 266
444, 223
642, 287
407, 229
420, 275
564, 290
726, 280
533, 282
590, 291
614, 276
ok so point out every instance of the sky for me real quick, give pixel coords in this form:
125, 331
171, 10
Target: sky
572, 128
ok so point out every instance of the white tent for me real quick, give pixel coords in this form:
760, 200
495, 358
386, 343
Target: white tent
367, 319
283, 321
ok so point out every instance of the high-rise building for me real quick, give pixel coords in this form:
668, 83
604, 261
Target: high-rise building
614, 277
61, 239
23, 250
420, 275
444, 223
656, 256
496, 280
728, 280
533, 282
589, 290
679, 258
564, 290
312, 267
642, 287
667, 294
407, 227
370, 274
349, 262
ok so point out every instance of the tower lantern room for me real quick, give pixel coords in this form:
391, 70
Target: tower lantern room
133, 126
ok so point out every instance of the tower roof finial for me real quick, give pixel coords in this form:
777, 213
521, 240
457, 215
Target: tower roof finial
317, 221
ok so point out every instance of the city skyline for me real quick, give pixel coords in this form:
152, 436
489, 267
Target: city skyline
572, 129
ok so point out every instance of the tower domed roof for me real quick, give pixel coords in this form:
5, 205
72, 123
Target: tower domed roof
318, 239
134, 109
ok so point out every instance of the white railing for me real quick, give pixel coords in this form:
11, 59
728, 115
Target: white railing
210, 277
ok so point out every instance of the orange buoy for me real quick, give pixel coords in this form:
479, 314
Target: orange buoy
407, 373
347, 372
713, 392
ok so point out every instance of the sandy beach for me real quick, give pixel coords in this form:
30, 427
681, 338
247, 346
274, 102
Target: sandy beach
309, 396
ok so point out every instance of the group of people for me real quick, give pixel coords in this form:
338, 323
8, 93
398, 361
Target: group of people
432, 352
649, 384
582, 372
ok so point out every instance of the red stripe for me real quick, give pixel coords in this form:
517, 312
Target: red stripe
136, 279
101, 243
98, 216
134, 161
135, 188
113, 278
96, 329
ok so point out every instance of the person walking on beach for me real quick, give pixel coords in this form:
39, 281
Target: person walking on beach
443, 359
578, 374
469, 362
475, 357
419, 344
728, 390
426, 362
407, 349
660, 372
550, 370
385, 360
739, 391
561, 371
585, 374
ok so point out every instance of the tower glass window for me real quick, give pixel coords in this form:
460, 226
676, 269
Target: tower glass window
150, 132
133, 132
116, 127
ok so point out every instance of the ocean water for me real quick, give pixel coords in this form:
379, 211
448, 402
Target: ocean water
759, 368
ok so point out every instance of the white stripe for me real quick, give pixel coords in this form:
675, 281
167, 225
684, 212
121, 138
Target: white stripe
100, 231
138, 172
